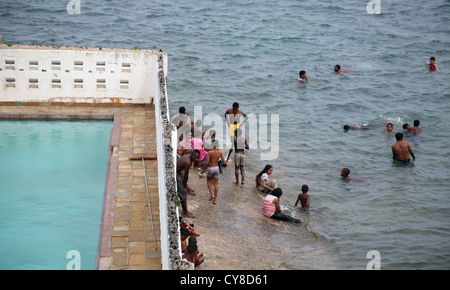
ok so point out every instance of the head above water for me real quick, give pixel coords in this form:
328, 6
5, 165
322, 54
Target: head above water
399, 136
305, 188
406, 126
346, 127
389, 127
182, 110
345, 172
337, 68
301, 73
416, 123
277, 192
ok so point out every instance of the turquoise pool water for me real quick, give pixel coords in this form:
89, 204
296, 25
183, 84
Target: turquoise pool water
52, 180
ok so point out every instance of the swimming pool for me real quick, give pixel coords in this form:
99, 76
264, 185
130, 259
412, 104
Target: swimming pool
52, 181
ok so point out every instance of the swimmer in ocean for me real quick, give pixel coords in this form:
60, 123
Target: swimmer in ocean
432, 65
354, 127
408, 131
416, 129
390, 129
302, 77
345, 173
337, 69
401, 150
303, 198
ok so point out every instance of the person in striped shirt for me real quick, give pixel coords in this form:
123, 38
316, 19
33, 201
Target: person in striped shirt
271, 207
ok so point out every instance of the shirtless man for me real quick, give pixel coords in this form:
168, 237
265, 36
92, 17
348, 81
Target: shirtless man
184, 163
408, 131
240, 143
390, 129
416, 130
401, 150
233, 118
212, 176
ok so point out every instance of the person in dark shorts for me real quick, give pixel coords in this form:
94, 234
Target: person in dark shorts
183, 167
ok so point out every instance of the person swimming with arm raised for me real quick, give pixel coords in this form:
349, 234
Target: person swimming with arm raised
337, 69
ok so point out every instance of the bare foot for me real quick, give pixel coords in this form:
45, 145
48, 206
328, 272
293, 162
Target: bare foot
190, 191
236, 183
243, 182
188, 215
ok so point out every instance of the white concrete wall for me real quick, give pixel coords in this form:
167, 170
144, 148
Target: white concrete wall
47, 74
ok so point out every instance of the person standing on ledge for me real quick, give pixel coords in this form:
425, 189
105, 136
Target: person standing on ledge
401, 150
233, 119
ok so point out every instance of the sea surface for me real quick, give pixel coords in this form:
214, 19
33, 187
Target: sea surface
251, 52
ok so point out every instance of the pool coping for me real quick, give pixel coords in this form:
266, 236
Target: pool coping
107, 216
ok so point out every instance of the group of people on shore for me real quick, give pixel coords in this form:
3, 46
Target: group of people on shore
432, 66
196, 148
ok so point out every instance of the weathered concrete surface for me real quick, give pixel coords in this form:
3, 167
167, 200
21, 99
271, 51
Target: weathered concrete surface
233, 233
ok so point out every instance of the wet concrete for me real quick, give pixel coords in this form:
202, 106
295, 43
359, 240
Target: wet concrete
234, 232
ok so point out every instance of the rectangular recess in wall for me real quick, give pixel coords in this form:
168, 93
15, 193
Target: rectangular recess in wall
100, 66
101, 84
78, 65
10, 82
126, 67
124, 84
33, 83
56, 83
33, 65
56, 65
10, 64
78, 83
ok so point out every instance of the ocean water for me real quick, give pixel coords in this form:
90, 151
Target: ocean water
251, 52
52, 179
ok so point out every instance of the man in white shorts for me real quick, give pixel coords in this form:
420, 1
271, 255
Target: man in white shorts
240, 143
